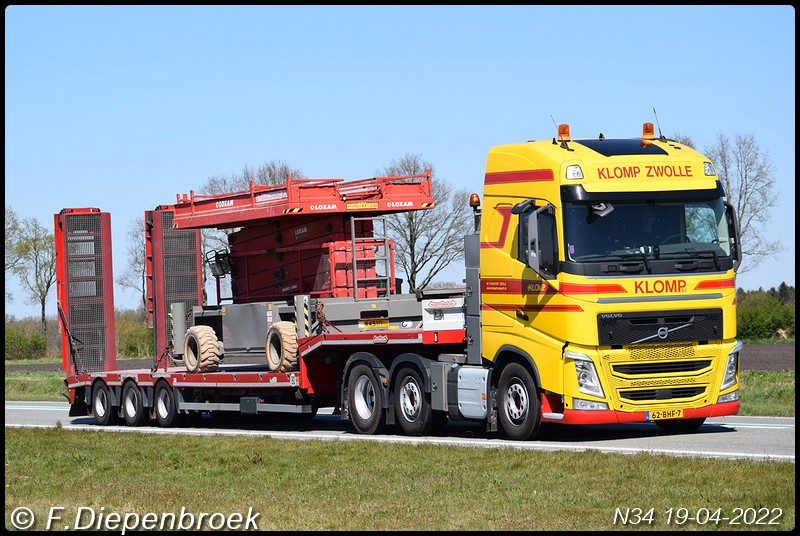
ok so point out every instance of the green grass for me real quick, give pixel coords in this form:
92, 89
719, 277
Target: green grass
39, 386
315, 485
769, 394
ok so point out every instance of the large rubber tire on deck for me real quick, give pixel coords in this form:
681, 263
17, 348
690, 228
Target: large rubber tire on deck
365, 401
678, 426
104, 413
132, 406
411, 403
201, 349
519, 405
282, 347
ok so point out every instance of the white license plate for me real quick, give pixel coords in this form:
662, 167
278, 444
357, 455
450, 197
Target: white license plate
661, 414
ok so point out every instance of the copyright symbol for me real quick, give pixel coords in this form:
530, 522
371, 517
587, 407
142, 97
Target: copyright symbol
22, 518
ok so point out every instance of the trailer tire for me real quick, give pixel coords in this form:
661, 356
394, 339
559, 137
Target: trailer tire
132, 406
411, 403
164, 406
102, 409
282, 347
678, 426
365, 401
201, 349
519, 405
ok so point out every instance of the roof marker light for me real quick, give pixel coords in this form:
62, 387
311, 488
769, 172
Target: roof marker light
474, 201
648, 131
563, 132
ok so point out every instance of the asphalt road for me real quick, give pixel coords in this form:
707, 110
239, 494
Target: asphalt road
734, 437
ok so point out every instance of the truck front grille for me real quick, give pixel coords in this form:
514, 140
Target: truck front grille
656, 395
662, 367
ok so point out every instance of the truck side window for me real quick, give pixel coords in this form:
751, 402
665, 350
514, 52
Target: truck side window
546, 243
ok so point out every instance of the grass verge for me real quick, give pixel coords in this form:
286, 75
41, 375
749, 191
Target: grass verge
360, 486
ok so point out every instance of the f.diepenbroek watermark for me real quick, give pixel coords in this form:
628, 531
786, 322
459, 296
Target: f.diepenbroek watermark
93, 518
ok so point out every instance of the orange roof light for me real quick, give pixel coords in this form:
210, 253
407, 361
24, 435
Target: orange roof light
474, 200
563, 132
648, 131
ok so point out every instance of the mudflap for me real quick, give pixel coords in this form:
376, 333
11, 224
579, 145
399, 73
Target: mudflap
78, 407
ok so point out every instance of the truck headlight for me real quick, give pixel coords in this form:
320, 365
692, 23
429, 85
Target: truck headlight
731, 368
588, 379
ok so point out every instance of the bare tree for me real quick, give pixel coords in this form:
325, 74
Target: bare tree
37, 268
427, 241
134, 276
13, 237
747, 175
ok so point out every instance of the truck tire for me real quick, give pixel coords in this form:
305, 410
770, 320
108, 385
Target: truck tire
201, 349
365, 401
164, 406
104, 413
677, 426
519, 405
282, 347
411, 403
132, 406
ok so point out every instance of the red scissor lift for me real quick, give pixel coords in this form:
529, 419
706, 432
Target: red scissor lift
321, 237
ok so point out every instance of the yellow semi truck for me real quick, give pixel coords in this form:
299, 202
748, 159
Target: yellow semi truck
607, 284
599, 288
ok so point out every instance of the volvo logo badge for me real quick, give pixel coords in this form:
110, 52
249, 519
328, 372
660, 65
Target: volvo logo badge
662, 333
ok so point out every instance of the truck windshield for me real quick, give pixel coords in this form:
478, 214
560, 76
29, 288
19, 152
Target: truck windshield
650, 229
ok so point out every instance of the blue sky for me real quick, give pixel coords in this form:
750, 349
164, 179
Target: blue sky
123, 107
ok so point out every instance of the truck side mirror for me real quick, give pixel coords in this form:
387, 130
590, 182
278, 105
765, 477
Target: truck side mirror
542, 244
733, 235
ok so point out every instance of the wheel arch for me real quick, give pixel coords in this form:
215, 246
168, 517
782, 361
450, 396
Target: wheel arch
418, 362
507, 354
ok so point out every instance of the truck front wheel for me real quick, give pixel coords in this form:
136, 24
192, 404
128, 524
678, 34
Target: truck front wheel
364, 400
520, 414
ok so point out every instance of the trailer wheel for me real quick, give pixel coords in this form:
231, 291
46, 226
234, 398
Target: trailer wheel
132, 406
166, 409
411, 404
364, 398
677, 426
520, 414
104, 413
282, 347
201, 349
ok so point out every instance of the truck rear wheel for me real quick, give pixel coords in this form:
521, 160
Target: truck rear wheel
132, 407
411, 404
282, 347
365, 402
201, 349
166, 409
520, 414
104, 413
